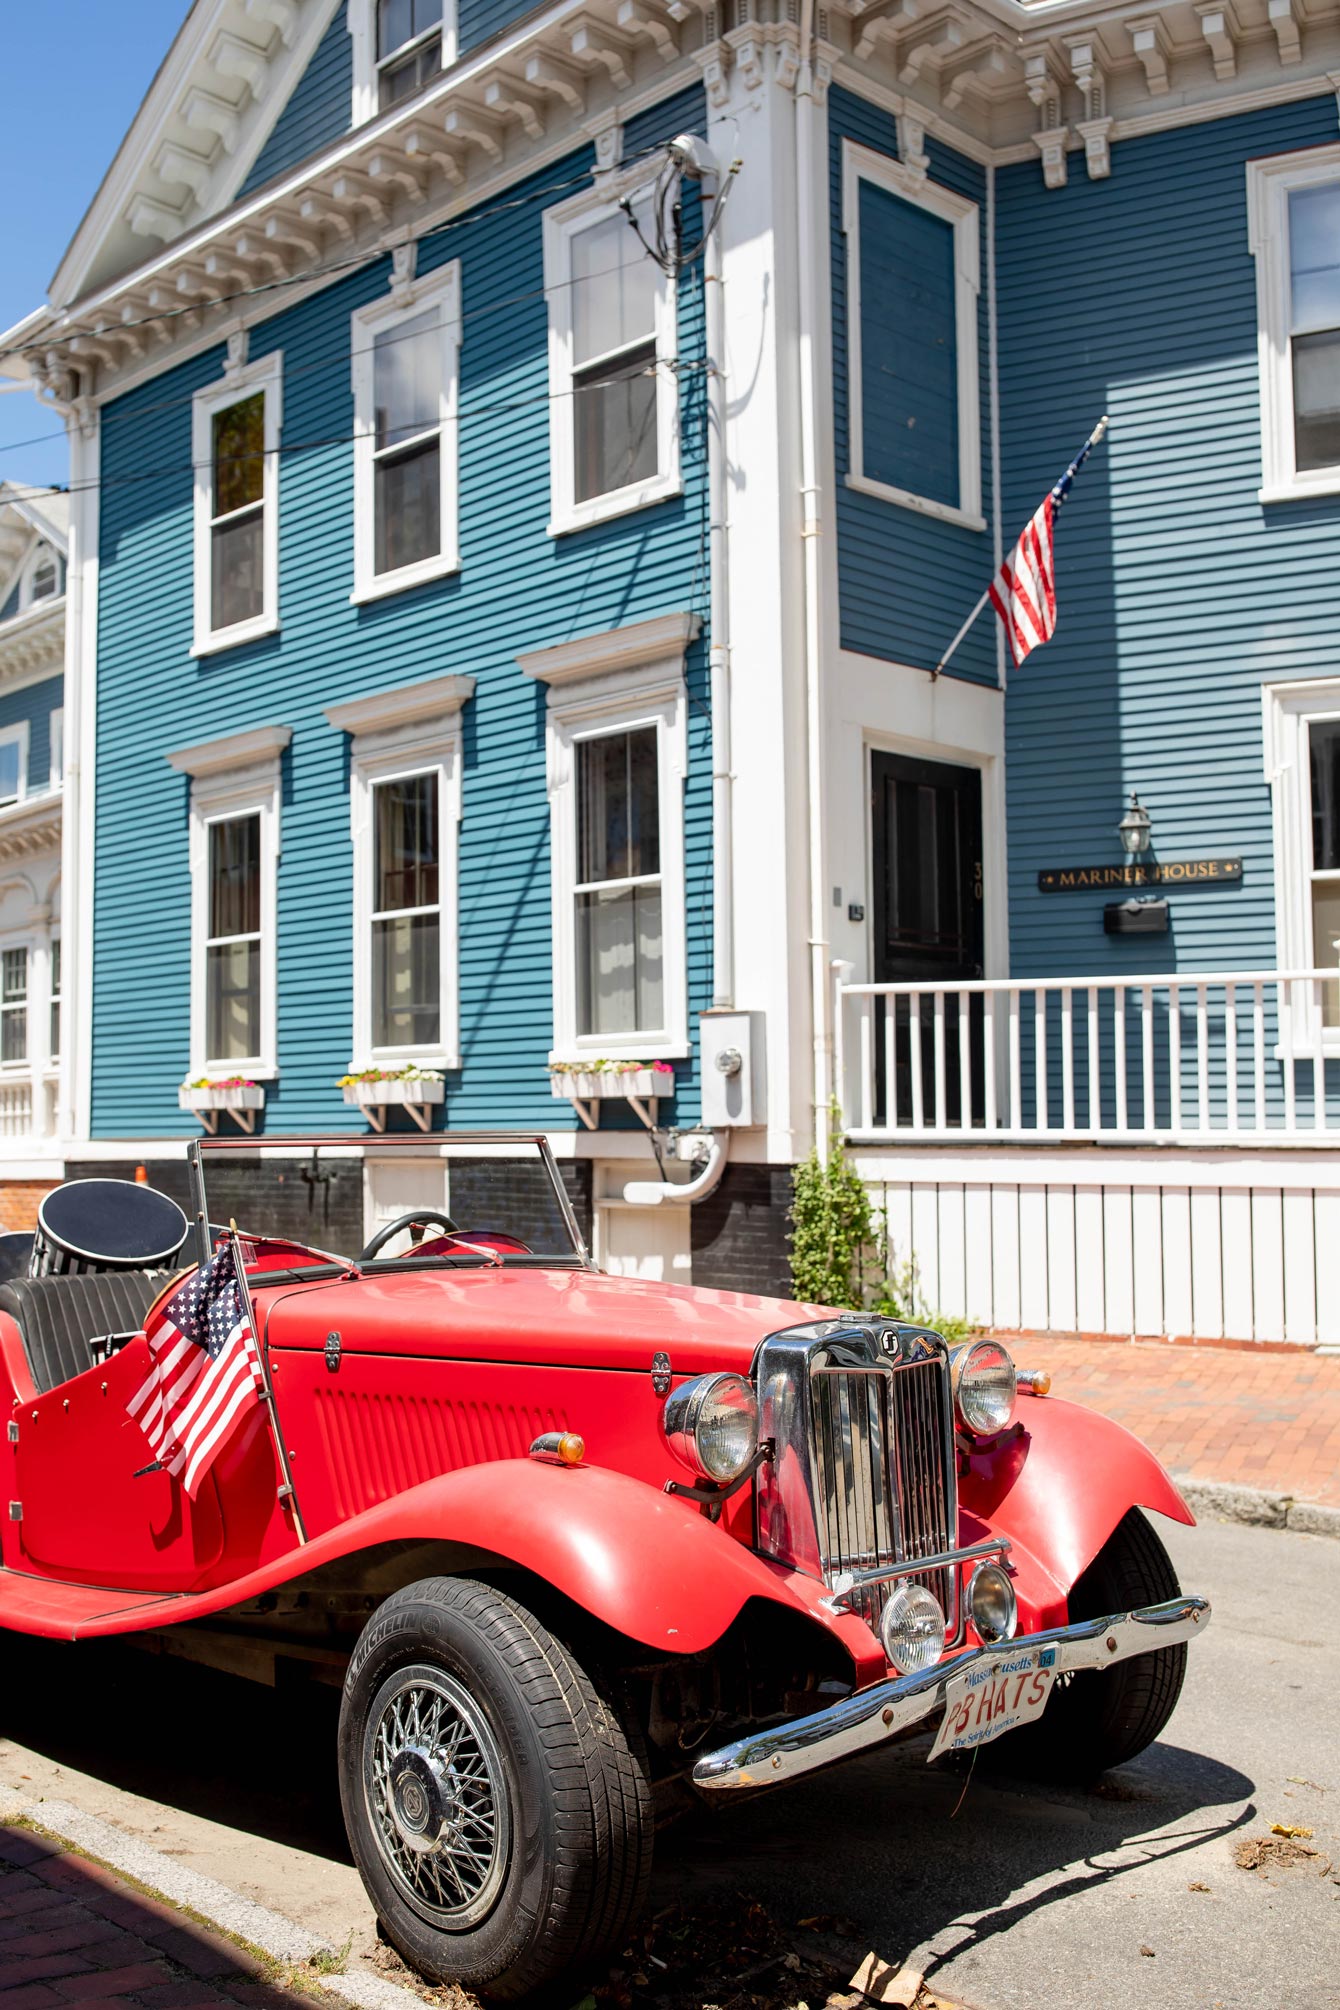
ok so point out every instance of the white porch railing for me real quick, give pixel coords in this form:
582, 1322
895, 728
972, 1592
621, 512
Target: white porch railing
1209, 1058
16, 1109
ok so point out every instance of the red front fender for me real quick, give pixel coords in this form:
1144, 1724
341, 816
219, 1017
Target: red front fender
647, 1564
1057, 1487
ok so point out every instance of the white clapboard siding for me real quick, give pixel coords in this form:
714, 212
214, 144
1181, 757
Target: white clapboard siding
1188, 1245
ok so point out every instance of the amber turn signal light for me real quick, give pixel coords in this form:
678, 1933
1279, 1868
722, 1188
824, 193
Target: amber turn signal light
1037, 1381
561, 1448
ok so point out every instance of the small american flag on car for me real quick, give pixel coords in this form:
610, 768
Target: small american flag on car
206, 1371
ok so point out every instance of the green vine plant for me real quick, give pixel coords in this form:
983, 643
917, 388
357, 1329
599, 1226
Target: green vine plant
842, 1253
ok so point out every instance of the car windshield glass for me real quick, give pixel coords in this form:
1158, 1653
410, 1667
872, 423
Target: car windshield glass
471, 1197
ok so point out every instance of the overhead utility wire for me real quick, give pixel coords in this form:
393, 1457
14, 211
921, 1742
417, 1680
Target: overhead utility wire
322, 271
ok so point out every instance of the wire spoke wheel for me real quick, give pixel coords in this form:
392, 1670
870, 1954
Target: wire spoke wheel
437, 1796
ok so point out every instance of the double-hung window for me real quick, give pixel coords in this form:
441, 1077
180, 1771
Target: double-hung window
618, 936
13, 1005
617, 756
409, 48
404, 379
404, 813
13, 763
614, 411
913, 396
1294, 222
236, 458
234, 861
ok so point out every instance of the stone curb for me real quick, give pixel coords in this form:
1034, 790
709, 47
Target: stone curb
1258, 1507
242, 1918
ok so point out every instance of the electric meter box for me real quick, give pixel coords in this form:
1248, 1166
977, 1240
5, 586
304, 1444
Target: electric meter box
731, 1046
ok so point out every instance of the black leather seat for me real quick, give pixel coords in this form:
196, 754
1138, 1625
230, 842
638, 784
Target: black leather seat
58, 1316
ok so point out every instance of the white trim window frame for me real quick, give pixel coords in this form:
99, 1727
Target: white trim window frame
218, 800
264, 379
368, 64
56, 747
1270, 186
380, 322
16, 1005
421, 749
41, 554
564, 223
1290, 711
15, 736
862, 164
611, 706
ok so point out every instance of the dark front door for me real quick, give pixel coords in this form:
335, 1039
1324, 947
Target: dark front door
927, 856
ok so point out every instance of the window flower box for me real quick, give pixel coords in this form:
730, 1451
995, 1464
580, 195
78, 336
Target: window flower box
640, 1083
239, 1098
374, 1091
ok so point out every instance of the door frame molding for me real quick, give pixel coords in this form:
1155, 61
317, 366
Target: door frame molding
964, 769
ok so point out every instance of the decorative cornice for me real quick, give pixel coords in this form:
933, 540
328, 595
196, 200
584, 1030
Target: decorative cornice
406, 705
668, 635
32, 644
234, 750
30, 826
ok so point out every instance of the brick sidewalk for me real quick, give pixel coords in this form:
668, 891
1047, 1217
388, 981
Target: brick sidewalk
73, 1933
1267, 1419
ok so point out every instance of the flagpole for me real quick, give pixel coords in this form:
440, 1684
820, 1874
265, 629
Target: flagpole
287, 1492
1059, 492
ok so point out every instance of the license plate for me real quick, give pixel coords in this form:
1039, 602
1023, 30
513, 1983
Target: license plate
994, 1697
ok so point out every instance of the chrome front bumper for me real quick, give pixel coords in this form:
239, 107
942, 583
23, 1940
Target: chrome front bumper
872, 1716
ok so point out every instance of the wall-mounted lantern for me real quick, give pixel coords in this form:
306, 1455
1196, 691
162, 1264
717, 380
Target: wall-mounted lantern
1134, 828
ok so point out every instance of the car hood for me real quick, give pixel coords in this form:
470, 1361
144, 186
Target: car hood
577, 1318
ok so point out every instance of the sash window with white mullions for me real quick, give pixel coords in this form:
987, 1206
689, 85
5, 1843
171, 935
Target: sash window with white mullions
1324, 863
615, 288
13, 1005
237, 541
13, 764
618, 936
233, 943
409, 48
406, 916
408, 387
55, 997
1314, 290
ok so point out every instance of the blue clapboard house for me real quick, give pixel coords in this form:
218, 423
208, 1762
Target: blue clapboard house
528, 469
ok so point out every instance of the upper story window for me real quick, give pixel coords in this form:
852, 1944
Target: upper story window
617, 754
234, 858
56, 739
41, 577
404, 380
45, 575
13, 763
406, 917
13, 1005
236, 460
913, 397
1294, 224
409, 48
614, 411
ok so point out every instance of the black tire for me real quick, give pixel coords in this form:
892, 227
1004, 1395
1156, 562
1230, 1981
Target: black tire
1103, 1717
569, 1846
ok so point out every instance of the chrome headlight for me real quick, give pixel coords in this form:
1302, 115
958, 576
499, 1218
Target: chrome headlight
984, 1387
711, 1424
912, 1629
992, 1603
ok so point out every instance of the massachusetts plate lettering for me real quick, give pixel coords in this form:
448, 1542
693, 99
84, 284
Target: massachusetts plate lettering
994, 1697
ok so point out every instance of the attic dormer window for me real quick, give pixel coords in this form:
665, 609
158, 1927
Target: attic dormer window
44, 577
409, 48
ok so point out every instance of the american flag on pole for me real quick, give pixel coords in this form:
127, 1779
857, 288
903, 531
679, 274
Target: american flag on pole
1023, 592
206, 1370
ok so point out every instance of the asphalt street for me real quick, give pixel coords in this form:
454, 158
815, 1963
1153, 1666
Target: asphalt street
1004, 1893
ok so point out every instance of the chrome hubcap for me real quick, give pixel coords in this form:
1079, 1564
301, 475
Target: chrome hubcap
436, 1796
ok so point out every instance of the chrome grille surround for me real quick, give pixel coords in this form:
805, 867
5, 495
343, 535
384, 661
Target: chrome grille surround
862, 1477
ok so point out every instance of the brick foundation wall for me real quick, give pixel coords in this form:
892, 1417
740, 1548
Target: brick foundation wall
19, 1202
739, 1233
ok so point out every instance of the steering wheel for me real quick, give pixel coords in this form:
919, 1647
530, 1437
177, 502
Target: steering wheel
419, 1216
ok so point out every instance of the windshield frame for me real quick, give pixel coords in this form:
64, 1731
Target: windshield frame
443, 1144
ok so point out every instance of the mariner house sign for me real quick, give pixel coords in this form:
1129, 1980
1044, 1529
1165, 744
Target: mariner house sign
1141, 872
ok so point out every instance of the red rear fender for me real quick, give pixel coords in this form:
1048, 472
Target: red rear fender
1059, 1486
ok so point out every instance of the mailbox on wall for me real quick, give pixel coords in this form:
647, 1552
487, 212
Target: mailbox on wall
1136, 917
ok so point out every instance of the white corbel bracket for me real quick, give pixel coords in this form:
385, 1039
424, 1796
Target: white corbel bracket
1220, 29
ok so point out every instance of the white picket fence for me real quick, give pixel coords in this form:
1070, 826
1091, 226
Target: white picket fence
1209, 1058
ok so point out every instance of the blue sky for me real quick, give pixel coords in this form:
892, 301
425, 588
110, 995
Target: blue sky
74, 75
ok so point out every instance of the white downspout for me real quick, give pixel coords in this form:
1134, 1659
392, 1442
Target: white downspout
811, 530
650, 1193
718, 494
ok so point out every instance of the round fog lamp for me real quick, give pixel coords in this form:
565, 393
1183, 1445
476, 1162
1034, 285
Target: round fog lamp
984, 1387
912, 1629
991, 1600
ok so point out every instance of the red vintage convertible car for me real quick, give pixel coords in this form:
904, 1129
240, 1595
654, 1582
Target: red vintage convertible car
574, 1544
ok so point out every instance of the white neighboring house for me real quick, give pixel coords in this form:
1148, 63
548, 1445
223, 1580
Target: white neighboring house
33, 551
